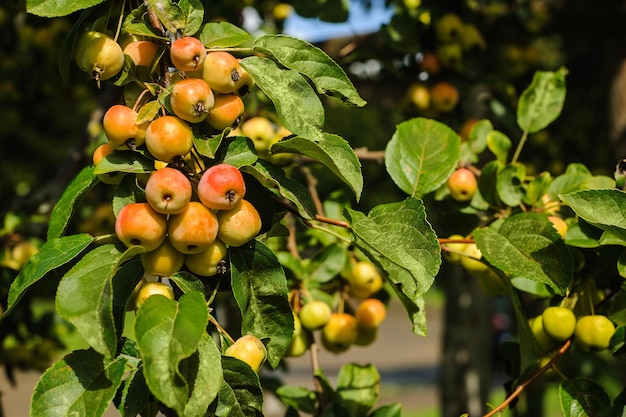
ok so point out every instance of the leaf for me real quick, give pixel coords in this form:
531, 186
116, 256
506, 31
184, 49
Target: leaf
527, 245
194, 14
56, 8
542, 101
125, 161
73, 194
298, 107
602, 208
167, 333
421, 155
53, 254
298, 398
327, 264
92, 295
170, 14
398, 237
273, 177
222, 35
134, 395
238, 152
387, 410
583, 397
358, 386
240, 394
509, 184
327, 76
333, 152
260, 289
499, 144
82, 383
187, 282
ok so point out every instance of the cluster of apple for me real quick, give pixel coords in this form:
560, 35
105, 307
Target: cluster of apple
456, 38
340, 329
432, 98
556, 324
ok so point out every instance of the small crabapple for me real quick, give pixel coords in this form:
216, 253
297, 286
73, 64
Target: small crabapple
462, 184
370, 313
245, 83
559, 322
364, 280
444, 96
260, 130
226, 112
221, 70
163, 261
206, 263
98, 155
594, 332
193, 229
239, 225
168, 190
315, 314
102, 57
120, 127
192, 99
150, 288
142, 52
188, 53
221, 187
340, 332
250, 349
169, 137
138, 224
449, 28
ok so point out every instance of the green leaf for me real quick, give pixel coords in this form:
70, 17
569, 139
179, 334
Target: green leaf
125, 161
187, 282
298, 107
298, 398
168, 333
260, 288
327, 264
527, 245
222, 35
170, 14
583, 397
577, 177
387, 410
398, 237
499, 144
73, 194
238, 152
509, 184
541, 103
602, 208
53, 254
82, 383
421, 155
194, 14
334, 152
358, 386
240, 394
617, 309
327, 76
134, 395
92, 295
57, 8
273, 177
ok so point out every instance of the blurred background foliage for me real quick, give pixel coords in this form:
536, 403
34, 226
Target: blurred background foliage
420, 63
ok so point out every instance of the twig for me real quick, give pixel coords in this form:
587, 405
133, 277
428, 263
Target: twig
312, 186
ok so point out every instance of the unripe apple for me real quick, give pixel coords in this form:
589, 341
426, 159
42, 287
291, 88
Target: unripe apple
450, 55
188, 53
226, 112
444, 96
81, 46
282, 11
99, 153
544, 340
206, 263
120, 127
491, 283
449, 27
453, 251
221, 187
471, 260
419, 95
279, 158
462, 184
370, 313
142, 52
315, 314
168, 190
365, 280
594, 332
559, 224
150, 288
22, 252
471, 38
192, 99
559, 322
250, 349
103, 58
193, 229
339, 333
221, 70
239, 225
366, 336
163, 261
169, 137
260, 130
137, 224
300, 341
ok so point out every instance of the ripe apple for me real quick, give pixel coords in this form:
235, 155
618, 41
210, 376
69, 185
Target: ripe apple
370, 313
142, 52
594, 332
99, 153
249, 349
188, 53
300, 341
206, 263
150, 288
245, 83
339, 333
221, 70
430, 63
226, 112
239, 225
169, 137
315, 314
365, 280
221, 187
138, 224
559, 322
444, 96
120, 127
168, 190
462, 184
260, 130
192, 99
102, 57
163, 261
193, 229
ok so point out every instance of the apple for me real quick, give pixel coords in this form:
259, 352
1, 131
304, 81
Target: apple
169, 138
142, 52
444, 96
138, 224
207, 262
188, 54
594, 332
168, 190
418, 95
462, 184
544, 340
452, 252
250, 349
339, 333
163, 261
221, 187
315, 314
364, 280
450, 55
150, 288
449, 28
221, 71
102, 57
239, 225
261, 130
559, 322
470, 261
226, 112
193, 229
98, 155
370, 313
192, 99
